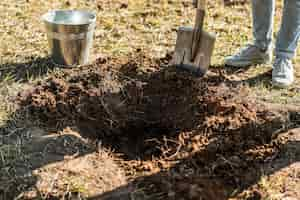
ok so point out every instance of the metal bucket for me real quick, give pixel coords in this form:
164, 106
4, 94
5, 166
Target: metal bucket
70, 35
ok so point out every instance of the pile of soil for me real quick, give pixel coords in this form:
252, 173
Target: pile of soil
192, 137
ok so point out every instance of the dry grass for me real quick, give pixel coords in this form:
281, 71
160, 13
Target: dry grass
122, 27
87, 175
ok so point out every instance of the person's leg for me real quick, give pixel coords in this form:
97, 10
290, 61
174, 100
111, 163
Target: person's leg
286, 44
263, 18
289, 33
260, 51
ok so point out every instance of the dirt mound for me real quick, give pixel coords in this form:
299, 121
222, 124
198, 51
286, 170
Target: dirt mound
119, 95
179, 125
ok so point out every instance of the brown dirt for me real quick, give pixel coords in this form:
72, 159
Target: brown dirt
60, 165
180, 137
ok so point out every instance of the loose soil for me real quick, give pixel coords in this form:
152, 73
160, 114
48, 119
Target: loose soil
176, 136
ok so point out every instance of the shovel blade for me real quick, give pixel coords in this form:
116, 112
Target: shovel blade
182, 57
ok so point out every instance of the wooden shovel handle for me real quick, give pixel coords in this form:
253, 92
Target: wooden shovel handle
201, 4
200, 14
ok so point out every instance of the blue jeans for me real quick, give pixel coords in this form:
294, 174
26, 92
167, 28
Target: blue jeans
263, 16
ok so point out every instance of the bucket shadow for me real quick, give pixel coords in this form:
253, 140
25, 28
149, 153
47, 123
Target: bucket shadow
23, 72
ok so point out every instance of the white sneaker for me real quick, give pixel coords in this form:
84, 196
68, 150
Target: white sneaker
249, 55
283, 73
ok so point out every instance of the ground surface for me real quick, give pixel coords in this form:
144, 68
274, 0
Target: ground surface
130, 127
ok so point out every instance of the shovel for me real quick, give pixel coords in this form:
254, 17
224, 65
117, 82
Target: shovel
194, 46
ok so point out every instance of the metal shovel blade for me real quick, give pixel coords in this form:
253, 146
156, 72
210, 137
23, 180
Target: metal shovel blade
182, 57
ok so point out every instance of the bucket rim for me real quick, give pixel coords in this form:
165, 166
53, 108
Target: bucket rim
91, 20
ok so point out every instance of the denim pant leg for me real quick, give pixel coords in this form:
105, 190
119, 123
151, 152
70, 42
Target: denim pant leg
289, 33
263, 17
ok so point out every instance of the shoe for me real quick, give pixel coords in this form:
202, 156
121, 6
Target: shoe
283, 73
249, 55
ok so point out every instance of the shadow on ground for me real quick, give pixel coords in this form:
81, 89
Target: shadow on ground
23, 72
25, 149
155, 118
239, 74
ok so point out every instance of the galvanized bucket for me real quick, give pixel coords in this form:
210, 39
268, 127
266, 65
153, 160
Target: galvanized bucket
70, 35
